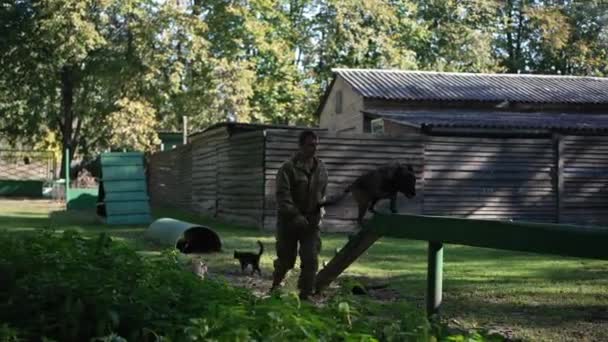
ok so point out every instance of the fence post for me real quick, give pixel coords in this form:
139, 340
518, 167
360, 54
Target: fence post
434, 278
558, 174
67, 176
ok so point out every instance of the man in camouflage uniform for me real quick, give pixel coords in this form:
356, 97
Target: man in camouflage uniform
300, 187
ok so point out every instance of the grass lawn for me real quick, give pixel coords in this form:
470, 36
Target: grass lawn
521, 295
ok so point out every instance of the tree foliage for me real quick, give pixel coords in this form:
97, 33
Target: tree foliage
69, 66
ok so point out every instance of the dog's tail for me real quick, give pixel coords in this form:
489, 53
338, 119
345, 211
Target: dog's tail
261, 248
334, 200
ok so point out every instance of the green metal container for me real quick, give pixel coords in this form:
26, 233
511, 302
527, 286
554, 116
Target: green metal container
123, 195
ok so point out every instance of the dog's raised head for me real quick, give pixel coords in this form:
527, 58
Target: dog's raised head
406, 180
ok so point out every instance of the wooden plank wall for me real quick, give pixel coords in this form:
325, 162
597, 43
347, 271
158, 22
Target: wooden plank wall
489, 178
161, 178
346, 156
584, 196
217, 174
240, 185
184, 176
205, 171
170, 176
233, 176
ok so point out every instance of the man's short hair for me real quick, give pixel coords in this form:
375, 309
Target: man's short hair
305, 134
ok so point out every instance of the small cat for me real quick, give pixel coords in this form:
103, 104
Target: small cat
198, 267
248, 258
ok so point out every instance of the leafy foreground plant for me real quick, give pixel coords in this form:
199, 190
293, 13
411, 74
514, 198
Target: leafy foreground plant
68, 288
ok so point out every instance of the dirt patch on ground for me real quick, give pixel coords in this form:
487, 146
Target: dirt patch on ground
260, 286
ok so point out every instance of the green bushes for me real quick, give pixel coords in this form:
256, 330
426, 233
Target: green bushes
67, 288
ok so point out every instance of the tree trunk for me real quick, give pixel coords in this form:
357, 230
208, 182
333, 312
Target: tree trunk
514, 35
196, 7
520, 27
66, 120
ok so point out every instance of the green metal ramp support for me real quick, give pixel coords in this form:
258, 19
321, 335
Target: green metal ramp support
123, 195
546, 238
185, 236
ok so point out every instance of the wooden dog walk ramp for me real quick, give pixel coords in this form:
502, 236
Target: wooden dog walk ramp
357, 244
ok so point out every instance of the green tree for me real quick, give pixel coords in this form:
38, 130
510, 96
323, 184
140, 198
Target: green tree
513, 33
49, 48
66, 65
457, 35
569, 37
132, 115
553, 37
73, 69
357, 34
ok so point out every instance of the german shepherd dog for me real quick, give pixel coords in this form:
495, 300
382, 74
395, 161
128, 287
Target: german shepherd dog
384, 182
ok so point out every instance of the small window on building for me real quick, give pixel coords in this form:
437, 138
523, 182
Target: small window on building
377, 126
339, 102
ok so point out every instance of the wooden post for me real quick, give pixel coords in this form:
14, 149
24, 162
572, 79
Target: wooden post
346, 256
558, 174
67, 177
185, 130
434, 278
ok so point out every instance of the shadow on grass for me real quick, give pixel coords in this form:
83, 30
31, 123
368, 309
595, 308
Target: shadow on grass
538, 310
13, 223
538, 293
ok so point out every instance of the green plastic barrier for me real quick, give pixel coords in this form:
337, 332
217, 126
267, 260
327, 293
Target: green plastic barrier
82, 198
21, 188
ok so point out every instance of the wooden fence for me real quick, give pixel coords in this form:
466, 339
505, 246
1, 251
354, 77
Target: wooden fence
225, 177
490, 178
170, 177
230, 174
583, 181
346, 156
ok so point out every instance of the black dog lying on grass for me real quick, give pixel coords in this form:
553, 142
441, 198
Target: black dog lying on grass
383, 182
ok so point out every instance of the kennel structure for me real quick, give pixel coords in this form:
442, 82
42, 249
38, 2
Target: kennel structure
228, 171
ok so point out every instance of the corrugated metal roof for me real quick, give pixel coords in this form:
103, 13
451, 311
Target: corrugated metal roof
445, 86
251, 126
562, 121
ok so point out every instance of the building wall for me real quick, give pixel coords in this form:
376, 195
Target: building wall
583, 181
394, 129
481, 178
232, 176
351, 119
227, 175
170, 178
205, 171
346, 157
240, 178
